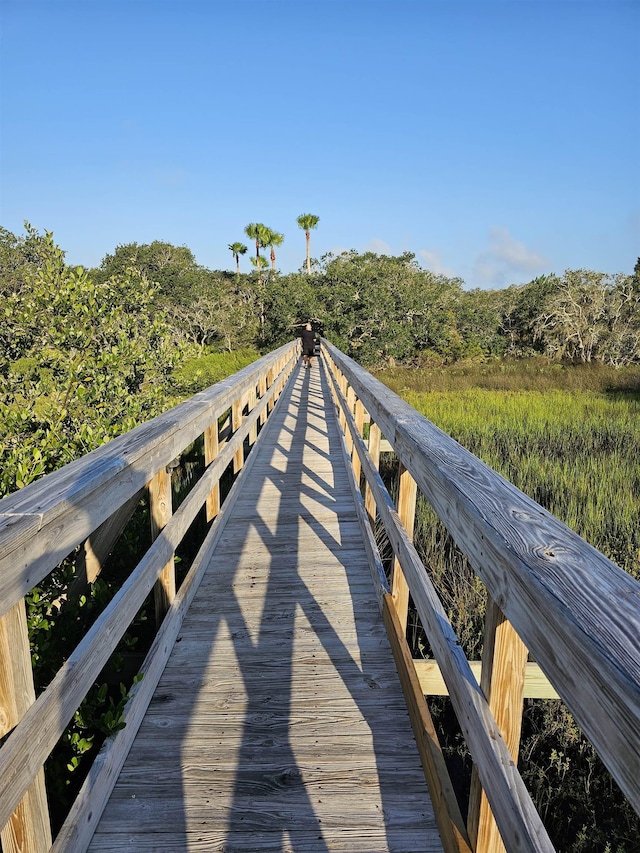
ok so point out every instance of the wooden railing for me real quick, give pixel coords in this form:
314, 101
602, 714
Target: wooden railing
85, 506
550, 594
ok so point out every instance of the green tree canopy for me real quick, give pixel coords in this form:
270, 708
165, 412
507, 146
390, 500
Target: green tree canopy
82, 361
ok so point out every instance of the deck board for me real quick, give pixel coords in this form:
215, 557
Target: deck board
279, 722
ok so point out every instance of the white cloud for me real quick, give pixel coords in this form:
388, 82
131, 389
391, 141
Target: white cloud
433, 262
506, 258
378, 246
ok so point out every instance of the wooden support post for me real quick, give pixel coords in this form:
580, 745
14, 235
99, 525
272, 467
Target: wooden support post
96, 549
211, 448
504, 662
374, 453
407, 494
161, 509
252, 400
236, 423
351, 399
445, 806
28, 830
271, 402
262, 390
355, 459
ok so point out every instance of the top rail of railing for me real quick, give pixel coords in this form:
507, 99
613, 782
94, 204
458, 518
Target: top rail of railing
45, 522
576, 611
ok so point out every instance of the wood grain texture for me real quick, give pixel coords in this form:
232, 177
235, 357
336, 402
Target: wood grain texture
28, 829
536, 684
279, 721
45, 521
520, 825
577, 612
29, 744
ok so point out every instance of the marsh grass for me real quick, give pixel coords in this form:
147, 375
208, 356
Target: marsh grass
569, 437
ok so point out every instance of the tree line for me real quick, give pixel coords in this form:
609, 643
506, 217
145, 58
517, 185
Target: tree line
88, 353
380, 308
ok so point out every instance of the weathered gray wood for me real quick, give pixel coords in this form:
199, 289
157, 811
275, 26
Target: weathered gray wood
45, 521
82, 820
274, 708
41, 726
28, 829
98, 546
519, 823
576, 611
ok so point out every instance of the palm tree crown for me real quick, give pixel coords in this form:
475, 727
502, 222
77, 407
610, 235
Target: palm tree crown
236, 250
307, 221
258, 232
273, 239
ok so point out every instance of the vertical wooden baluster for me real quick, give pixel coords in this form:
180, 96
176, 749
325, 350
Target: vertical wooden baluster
407, 494
351, 399
262, 390
160, 505
28, 830
211, 448
355, 459
504, 662
236, 423
253, 399
269, 384
374, 453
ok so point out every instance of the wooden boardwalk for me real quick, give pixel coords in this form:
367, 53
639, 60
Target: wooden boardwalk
279, 722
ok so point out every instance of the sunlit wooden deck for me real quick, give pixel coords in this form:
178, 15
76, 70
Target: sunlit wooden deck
279, 723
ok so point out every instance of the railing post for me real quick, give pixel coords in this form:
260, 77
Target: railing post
236, 423
355, 459
271, 402
253, 399
262, 390
28, 830
407, 494
374, 453
161, 509
504, 661
211, 448
351, 399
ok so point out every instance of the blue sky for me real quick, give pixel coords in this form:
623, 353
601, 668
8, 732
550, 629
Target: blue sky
495, 140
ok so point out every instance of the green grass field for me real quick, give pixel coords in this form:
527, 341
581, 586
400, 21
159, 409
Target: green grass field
569, 437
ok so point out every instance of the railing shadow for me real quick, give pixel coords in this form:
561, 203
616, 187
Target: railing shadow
251, 739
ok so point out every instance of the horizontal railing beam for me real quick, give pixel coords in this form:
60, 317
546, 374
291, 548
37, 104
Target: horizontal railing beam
34, 736
514, 811
577, 612
43, 522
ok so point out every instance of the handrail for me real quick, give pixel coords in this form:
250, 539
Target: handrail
576, 611
44, 522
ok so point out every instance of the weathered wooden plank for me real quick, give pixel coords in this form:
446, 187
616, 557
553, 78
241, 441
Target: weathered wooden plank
64, 507
289, 703
536, 683
41, 726
575, 610
520, 824
80, 824
28, 829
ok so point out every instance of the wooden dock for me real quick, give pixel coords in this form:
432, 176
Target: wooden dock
279, 723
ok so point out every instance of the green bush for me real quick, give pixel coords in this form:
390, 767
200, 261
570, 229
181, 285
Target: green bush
195, 374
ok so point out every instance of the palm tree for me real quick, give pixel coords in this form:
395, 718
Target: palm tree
307, 221
237, 249
258, 232
274, 239
259, 262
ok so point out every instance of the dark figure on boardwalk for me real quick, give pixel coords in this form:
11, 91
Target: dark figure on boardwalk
308, 344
